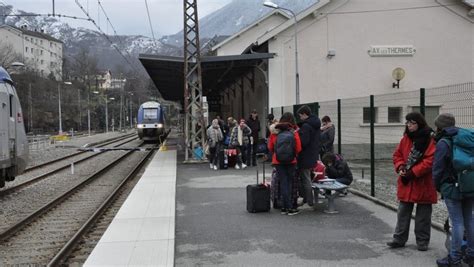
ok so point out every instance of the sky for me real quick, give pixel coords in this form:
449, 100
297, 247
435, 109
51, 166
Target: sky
127, 16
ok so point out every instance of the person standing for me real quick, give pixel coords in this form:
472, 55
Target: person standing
310, 136
284, 146
460, 206
413, 159
328, 132
254, 123
214, 137
239, 136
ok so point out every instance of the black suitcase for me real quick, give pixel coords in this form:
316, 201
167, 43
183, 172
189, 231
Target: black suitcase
258, 196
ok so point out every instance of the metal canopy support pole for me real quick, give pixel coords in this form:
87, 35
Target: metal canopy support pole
192, 80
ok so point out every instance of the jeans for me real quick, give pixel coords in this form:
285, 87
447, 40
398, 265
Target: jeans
286, 174
422, 223
460, 214
305, 177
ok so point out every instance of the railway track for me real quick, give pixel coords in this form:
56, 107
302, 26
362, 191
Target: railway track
15, 187
107, 142
50, 233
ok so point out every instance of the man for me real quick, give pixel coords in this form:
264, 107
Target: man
460, 206
337, 168
254, 123
309, 134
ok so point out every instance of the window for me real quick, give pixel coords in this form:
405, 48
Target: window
41, 42
32, 50
366, 115
431, 112
26, 49
41, 52
42, 62
26, 38
11, 106
150, 113
394, 114
50, 44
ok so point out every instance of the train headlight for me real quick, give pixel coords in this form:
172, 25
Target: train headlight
140, 126
160, 125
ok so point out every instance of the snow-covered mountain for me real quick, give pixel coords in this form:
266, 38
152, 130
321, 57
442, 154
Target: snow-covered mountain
225, 21
235, 16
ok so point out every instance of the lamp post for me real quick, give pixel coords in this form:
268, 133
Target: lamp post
59, 107
106, 109
297, 75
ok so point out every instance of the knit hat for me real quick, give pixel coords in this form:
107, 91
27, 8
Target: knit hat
445, 120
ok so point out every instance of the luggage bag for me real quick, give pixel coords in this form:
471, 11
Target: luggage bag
258, 196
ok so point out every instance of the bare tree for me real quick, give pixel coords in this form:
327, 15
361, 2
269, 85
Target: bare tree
8, 54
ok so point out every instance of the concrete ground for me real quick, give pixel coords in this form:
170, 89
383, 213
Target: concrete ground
214, 228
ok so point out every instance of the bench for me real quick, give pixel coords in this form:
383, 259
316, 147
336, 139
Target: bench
330, 186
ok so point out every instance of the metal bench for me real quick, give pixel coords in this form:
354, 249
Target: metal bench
330, 186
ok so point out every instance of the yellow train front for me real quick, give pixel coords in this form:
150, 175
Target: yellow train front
151, 124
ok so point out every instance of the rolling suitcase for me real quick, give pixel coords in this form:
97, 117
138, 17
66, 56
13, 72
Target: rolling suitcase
258, 196
231, 157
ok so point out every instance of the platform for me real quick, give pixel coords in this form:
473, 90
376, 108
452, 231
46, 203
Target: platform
143, 231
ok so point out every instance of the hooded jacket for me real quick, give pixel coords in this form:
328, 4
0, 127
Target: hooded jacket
254, 125
327, 138
309, 132
420, 189
239, 136
275, 129
444, 175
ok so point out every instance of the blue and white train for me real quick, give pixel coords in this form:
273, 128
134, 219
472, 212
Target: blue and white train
13, 142
151, 122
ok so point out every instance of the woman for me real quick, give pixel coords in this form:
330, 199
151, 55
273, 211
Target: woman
285, 171
214, 137
239, 138
413, 159
328, 131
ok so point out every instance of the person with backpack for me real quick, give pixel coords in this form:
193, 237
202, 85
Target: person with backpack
413, 159
449, 181
214, 139
310, 140
285, 145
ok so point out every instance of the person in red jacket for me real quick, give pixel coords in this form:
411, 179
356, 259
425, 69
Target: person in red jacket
413, 160
284, 145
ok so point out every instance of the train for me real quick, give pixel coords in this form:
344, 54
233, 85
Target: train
14, 151
151, 122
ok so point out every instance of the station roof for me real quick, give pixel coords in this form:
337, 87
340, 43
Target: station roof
217, 72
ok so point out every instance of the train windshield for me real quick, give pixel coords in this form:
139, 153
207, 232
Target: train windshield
150, 114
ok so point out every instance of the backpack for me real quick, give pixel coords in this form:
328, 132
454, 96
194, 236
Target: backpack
462, 147
285, 147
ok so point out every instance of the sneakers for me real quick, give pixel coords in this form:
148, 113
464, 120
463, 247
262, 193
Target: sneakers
394, 244
215, 167
244, 166
284, 211
237, 167
211, 166
448, 262
293, 212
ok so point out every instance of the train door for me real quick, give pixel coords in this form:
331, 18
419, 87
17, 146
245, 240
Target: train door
12, 108
4, 109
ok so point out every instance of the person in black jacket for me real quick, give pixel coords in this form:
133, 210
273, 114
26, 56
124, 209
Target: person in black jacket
337, 168
254, 123
310, 138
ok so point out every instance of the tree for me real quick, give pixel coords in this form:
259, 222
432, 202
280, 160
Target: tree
8, 54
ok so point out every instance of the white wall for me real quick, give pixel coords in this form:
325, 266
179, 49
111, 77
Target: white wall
237, 45
443, 41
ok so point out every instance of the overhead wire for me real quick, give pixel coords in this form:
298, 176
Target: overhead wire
106, 37
149, 20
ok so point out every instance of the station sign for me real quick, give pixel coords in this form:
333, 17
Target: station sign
391, 51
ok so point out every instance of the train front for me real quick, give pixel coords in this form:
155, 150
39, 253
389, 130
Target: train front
151, 124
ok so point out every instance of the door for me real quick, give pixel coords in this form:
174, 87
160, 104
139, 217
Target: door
4, 112
11, 112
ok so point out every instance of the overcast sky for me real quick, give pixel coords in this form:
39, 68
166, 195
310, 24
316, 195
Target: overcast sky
127, 16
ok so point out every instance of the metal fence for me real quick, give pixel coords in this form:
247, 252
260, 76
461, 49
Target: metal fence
369, 128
